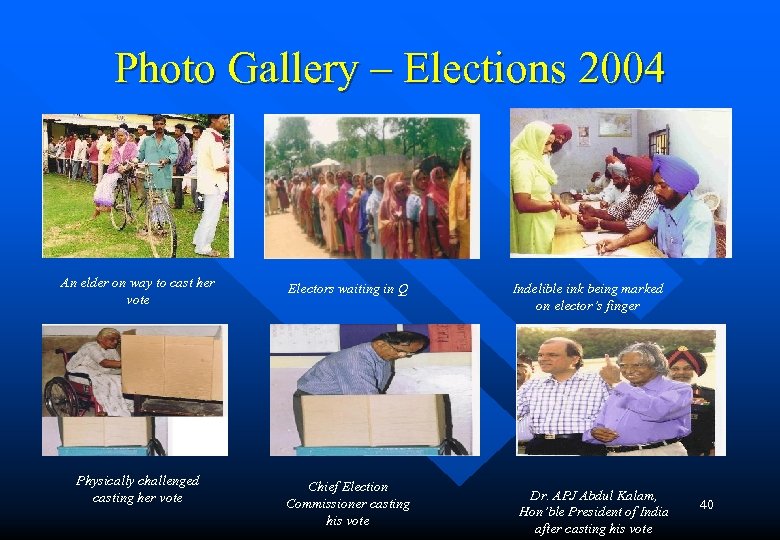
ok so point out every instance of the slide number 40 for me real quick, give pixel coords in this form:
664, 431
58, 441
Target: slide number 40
707, 504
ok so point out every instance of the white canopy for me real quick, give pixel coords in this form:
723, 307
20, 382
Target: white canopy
327, 162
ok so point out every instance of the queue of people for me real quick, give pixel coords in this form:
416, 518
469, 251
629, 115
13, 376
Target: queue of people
426, 216
646, 403
640, 197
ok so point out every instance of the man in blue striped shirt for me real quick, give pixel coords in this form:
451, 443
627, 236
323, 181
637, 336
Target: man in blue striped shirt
360, 370
558, 409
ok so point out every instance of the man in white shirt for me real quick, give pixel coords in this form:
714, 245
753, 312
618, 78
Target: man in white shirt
79, 155
197, 206
140, 132
557, 410
617, 185
59, 152
212, 182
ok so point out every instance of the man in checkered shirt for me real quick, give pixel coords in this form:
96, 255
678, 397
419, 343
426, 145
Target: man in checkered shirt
630, 211
560, 408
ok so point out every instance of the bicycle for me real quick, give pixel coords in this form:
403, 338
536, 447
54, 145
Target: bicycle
122, 209
159, 222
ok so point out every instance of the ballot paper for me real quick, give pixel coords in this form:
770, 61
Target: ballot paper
594, 237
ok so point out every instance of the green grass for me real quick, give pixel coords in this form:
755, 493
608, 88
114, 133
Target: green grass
68, 232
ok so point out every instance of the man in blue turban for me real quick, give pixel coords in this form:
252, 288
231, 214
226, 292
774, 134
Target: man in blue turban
684, 225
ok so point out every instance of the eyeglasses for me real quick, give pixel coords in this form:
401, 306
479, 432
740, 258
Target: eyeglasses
626, 367
405, 354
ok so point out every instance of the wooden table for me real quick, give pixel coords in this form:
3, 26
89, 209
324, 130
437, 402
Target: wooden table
568, 239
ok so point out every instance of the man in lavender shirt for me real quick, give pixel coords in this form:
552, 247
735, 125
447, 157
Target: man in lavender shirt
649, 414
364, 369
182, 164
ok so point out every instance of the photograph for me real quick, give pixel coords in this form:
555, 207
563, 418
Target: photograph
134, 370
137, 185
374, 389
621, 390
372, 187
651, 183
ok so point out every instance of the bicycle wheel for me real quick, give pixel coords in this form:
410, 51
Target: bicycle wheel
59, 398
161, 231
120, 211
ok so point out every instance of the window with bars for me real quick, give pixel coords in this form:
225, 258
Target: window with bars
658, 142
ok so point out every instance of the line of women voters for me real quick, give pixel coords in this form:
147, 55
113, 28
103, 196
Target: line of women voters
646, 199
393, 217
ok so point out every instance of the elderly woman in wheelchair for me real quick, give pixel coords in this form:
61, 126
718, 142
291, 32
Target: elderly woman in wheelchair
100, 360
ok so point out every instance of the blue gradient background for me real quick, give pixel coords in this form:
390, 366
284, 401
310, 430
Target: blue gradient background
61, 58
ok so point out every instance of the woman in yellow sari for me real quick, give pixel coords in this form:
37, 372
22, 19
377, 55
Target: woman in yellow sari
328, 202
106, 153
534, 205
460, 205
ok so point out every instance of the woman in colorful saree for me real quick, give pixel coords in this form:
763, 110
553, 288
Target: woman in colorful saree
393, 226
353, 210
373, 205
434, 218
460, 205
328, 208
343, 198
304, 208
414, 202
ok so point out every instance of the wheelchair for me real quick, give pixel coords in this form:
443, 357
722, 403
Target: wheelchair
70, 395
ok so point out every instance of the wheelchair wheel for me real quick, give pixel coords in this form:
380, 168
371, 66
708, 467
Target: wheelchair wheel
156, 448
59, 398
161, 231
120, 211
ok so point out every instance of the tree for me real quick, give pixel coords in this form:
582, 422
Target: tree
271, 158
318, 152
599, 341
360, 135
387, 126
445, 137
292, 142
410, 134
203, 120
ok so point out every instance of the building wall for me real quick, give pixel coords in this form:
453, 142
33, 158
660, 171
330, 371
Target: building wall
702, 137
387, 164
88, 123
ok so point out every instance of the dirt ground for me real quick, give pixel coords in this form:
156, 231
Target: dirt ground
284, 240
